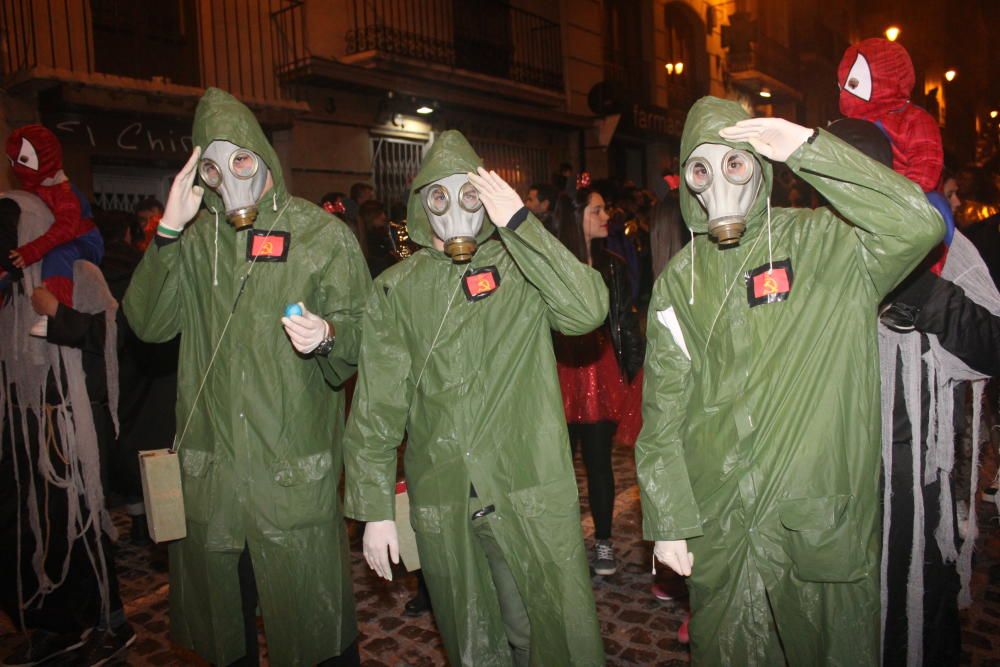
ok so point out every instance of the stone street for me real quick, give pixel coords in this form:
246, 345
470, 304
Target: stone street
638, 629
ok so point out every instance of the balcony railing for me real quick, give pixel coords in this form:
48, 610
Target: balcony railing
482, 36
144, 45
768, 57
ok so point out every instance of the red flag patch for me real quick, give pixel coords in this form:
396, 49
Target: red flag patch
481, 283
769, 283
268, 247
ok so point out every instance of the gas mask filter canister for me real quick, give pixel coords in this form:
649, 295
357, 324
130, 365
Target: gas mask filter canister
238, 175
456, 214
726, 181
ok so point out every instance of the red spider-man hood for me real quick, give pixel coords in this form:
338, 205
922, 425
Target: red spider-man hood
35, 154
875, 77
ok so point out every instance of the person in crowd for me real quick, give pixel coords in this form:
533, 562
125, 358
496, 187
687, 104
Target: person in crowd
148, 213
667, 233
58, 395
147, 377
596, 369
758, 461
457, 353
945, 327
339, 206
36, 157
541, 201
374, 221
260, 406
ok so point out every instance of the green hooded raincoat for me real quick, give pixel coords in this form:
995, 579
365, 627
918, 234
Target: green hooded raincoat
761, 435
482, 407
261, 458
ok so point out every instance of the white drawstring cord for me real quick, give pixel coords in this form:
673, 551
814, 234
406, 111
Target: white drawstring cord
691, 300
770, 254
274, 201
215, 260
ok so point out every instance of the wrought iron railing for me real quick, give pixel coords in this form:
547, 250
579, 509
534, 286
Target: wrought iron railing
483, 36
71, 38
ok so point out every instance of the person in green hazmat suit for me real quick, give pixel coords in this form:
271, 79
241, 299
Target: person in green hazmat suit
758, 461
259, 410
457, 352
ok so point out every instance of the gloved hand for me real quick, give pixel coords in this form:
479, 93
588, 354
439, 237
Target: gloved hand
675, 555
774, 138
185, 197
381, 536
500, 200
306, 331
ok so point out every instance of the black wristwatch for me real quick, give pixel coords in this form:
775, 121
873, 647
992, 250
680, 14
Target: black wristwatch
327, 343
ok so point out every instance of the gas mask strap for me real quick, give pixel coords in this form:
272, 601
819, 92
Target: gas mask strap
444, 318
770, 254
691, 300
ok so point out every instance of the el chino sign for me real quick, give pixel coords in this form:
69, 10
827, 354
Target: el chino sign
129, 136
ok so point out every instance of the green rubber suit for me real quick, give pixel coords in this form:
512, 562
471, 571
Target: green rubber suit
261, 457
482, 408
761, 437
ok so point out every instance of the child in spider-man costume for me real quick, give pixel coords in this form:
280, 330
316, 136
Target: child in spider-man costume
36, 157
875, 77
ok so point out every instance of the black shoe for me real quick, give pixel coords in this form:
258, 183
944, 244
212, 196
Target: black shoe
417, 605
899, 317
140, 531
105, 647
44, 646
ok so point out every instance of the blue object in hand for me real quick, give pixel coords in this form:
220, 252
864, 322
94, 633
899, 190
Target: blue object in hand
293, 309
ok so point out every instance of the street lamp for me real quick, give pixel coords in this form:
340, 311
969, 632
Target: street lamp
674, 68
950, 75
679, 68
891, 33
994, 113
765, 93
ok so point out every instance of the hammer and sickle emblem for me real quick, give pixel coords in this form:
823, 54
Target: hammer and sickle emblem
484, 285
267, 248
770, 285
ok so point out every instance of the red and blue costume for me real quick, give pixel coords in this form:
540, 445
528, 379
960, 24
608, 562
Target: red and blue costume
875, 77
36, 157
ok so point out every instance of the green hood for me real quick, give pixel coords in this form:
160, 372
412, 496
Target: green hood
221, 116
704, 120
450, 154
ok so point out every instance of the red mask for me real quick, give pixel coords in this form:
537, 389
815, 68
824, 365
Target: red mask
875, 77
35, 154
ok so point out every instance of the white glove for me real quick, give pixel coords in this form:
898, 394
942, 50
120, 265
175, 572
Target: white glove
381, 536
500, 200
774, 138
306, 331
675, 555
185, 197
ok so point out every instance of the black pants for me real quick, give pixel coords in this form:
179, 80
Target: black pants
248, 596
595, 448
942, 629
74, 606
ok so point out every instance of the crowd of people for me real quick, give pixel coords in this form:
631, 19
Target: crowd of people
793, 333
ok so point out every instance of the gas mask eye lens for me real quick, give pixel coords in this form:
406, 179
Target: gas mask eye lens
737, 166
210, 174
468, 198
438, 200
698, 175
243, 164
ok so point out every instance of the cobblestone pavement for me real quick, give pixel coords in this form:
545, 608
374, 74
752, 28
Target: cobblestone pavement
637, 628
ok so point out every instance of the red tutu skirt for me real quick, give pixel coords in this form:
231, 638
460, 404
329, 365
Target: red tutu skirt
594, 389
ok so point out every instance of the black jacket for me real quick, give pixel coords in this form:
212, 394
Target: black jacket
623, 320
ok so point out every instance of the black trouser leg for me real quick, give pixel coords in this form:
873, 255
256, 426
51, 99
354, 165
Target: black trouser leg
595, 448
350, 657
248, 603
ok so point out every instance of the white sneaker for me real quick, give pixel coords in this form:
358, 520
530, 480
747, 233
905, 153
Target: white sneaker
40, 329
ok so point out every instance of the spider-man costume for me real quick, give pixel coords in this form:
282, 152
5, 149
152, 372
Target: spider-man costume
36, 157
